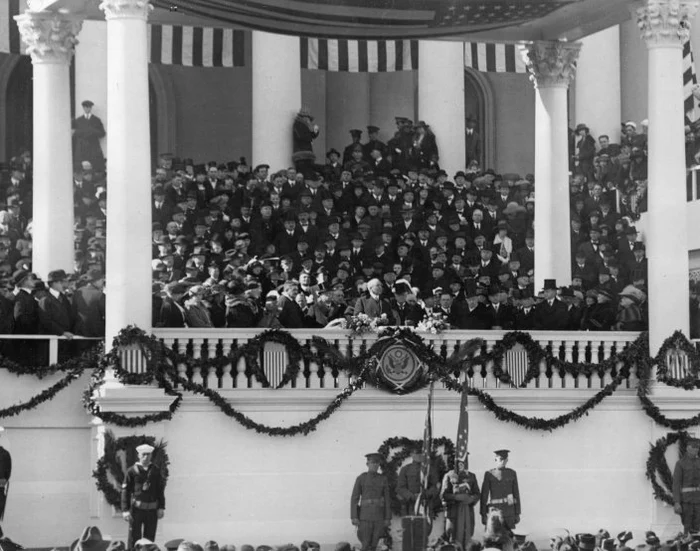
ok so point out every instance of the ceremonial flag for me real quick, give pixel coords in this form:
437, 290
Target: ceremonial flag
422, 504
689, 81
463, 430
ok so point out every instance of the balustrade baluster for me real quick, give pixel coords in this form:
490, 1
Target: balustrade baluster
314, 380
490, 381
197, 375
595, 351
226, 379
212, 378
196, 349
182, 371
557, 379
542, 380
241, 378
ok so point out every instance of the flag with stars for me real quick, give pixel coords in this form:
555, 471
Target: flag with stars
364, 19
463, 430
422, 505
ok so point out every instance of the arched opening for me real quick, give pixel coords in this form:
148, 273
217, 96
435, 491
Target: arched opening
18, 108
479, 103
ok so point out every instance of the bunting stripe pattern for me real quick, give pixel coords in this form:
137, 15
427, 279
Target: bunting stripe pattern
359, 56
689, 80
493, 58
196, 46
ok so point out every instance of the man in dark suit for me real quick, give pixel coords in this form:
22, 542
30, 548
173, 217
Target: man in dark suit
473, 315
525, 315
526, 254
286, 241
405, 312
172, 314
89, 306
55, 312
374, 143
347, 152
291, 315
551, 314
26, 310
497, 314
374, 305
87, 131
472, 142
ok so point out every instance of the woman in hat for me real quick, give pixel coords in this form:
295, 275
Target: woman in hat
502, 244
585, 151
424, 147
629, 313
304, 132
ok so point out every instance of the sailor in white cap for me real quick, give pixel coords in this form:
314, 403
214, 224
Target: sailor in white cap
143, 497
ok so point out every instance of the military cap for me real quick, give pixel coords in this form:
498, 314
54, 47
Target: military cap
371, 129
355, 132
87, 103
503, 454
374, 456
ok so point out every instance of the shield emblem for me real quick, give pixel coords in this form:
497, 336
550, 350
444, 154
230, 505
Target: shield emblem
399, 367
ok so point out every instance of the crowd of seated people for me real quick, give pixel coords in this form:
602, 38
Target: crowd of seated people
235, 246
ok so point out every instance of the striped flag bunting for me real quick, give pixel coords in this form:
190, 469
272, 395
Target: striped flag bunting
690, 79
359, 56
493, 58
196, 46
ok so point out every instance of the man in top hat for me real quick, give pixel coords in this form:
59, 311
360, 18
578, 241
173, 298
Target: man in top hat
686, 487
472, 141
500, 490
551, 314
5, 473
87, 131
370, 504
143, 497
55, 312
405, 313
408, 486
347, 152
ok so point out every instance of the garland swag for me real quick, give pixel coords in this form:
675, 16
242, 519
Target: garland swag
111, 466
471, 357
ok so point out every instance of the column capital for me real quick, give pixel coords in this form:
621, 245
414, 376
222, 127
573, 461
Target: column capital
551, 63
126, 9
666, 22
50, 37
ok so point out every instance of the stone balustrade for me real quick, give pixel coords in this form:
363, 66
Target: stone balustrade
594, 347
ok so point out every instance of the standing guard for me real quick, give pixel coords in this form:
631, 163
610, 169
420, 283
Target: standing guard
500, 490
686, 488
370, 504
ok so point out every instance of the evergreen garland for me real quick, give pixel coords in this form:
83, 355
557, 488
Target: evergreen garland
657, 469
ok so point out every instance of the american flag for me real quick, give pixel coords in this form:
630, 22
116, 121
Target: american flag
463, 430
381, 19
690, 79
422, 506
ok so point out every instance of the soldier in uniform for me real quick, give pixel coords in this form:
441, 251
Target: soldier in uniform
686, 488
370, 504
143, 498
500, 490
5, 472
408, 486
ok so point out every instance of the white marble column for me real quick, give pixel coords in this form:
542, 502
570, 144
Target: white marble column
551, 65
441, 98
50, 40
91, 71
664, 24
598, 101
128, 268
276, 98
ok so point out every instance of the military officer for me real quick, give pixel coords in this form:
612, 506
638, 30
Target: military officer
5, 472
143, 497
408, 486
500, 490
686, 488
370, 504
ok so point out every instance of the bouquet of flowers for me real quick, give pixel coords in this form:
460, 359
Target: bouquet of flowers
359, 324
433, 323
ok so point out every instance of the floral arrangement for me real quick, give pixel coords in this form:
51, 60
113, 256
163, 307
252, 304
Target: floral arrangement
434, 323
360, 324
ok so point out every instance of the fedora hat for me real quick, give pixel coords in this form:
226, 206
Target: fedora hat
90, 540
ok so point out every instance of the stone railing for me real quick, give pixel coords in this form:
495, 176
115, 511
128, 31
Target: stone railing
570, 346
46, 347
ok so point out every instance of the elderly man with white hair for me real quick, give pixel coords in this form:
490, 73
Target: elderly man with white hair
374, 305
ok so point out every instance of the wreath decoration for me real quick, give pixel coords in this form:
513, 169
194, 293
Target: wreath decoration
119, 455
658, 471
678, 342
395, 451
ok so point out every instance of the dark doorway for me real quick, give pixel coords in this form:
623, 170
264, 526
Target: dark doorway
19, 112
474, 105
